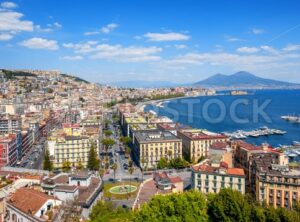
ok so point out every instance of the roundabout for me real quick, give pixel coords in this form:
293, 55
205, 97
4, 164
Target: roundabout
123, 189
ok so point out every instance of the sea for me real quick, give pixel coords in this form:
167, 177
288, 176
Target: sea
228, 113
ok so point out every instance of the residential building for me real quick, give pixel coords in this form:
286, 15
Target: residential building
165, 182
243, 152
30, 205
9, 146
276, 185
82, 186
151, 146
211, 178
9, 123
196, 142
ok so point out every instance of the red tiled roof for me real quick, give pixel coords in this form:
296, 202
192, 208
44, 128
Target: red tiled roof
219, 145
28, 200
175, 179
236, 171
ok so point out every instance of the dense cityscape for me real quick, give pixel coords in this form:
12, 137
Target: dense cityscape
112, 125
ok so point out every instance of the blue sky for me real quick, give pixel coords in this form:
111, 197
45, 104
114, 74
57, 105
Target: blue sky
178, 41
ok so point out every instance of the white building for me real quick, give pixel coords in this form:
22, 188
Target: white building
209, 178
28, 205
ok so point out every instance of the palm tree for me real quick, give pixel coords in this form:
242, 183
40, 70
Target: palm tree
170, 152
130, 170
114, 167
107, 143
142, 168
101, 172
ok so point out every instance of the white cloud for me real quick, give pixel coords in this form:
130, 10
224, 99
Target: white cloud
57, 25
109, 28
233, 39
126, 54
12, 21
248, 49
292, 47
257, 31
115, 52
71, 58
106, 29
269, 49
50, 27
171, 36
85, 47
91, 33
5, 36
181, 46
236, 61
40, 29
40, 43
9, 5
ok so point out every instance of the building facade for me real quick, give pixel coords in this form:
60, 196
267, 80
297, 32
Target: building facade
151, 146
211, 179
196, 142
276, 185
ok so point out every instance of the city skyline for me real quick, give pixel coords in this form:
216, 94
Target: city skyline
188, 41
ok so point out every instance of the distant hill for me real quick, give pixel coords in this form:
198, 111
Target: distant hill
9, 74
76, 78
243, 80
143, 84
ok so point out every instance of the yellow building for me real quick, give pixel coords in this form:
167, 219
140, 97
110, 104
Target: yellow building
196, 142
275, 184
151, 146
72, 145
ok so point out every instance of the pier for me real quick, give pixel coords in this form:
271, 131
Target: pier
263, 131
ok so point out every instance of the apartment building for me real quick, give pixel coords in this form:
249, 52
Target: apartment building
277, 185
242, 158
72, 143
196, 142
9, 146
9, 123
211, 178
151, 146
74, 149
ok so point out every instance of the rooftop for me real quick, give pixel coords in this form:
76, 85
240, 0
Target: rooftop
201, 134
28, 200
155, 136
222, 169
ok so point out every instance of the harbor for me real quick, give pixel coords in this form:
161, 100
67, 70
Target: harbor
262, 131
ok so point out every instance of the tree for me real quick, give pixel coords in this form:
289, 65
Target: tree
126, 140
130, 170
201, 158
163, 163
108, 133
47, 165
188, 206
66, 166
114, 167
93, 160
178, 163
101, 172
170, 153
79, 165
106, 212
106, 123
107, 143
229, 205
142, 168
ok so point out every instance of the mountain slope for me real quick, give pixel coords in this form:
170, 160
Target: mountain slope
242, 80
